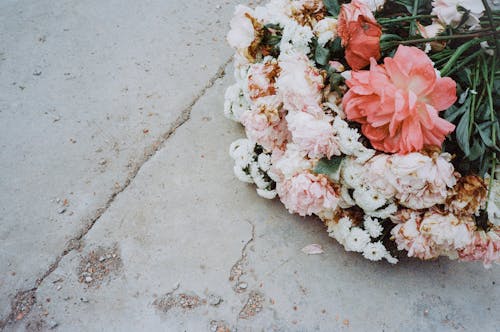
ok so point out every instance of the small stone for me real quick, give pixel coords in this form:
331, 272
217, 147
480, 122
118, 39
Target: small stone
37, 73
59, 287
61, 210
242, 285
103, 162
214, 299
53, 324
102, 259
88, 279
84, 300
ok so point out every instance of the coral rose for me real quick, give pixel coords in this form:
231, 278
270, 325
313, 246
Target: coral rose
360, 34
398, 103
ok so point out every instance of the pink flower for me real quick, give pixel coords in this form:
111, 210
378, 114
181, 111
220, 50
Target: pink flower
485, 247
242, 31
360, 34
398, 103
265, 124
433, 235
314, 136
300, 84
306, 194
261, 79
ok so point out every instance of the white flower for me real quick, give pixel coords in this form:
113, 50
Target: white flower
448, 11
374, 5
268, 194
235, 103
384, 213
351, 173
295, 38
390, 259
374, 251
345, 199
368, 199
292, 162
241, 151
372, 226
340, 230
326, 30
357, 240
264, 161
494, 203
242, 32
258, 176
275, 11
242, 175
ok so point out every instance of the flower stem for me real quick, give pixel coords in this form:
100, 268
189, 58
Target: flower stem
412, 23
493, 25
404, 18
464, 47
489, 88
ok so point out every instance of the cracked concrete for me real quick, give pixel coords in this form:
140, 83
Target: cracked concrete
179, 220
85, 99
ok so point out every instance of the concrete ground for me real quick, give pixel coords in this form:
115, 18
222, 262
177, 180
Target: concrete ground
119, 210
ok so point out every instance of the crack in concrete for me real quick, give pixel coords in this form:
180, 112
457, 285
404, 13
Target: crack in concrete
75, 242
237, 268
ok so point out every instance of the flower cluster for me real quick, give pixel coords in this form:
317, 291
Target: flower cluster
344, 127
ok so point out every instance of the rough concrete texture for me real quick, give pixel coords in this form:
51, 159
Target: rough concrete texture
88, 89
180, 244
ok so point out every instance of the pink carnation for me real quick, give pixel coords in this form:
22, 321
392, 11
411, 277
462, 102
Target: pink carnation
485, 247
312, 135
306, 193
433, 235
266, 125
398, 103
300, 84
261, 78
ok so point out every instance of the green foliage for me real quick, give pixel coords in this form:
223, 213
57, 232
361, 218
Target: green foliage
332, 6
329, 167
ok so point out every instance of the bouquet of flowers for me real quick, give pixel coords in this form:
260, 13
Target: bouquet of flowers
379, 117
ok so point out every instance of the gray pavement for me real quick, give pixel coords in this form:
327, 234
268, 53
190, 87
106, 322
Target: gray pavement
119, 210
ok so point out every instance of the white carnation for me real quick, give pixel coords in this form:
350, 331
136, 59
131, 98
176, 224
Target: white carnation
325, 30
368, 199
374, 5
258, 176
295, 38
293, 161
242, 32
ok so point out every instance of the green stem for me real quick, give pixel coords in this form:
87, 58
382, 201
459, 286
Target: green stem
464, 47
492, 24
413, 26
489, 87
473, 100
464, 62
403, 19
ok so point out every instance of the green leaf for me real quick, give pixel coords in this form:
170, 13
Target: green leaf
476, 151
462, 131
329, 167
336, 46
332, 6
390, 37
273, 26
484, 130
452, 113
321, 55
